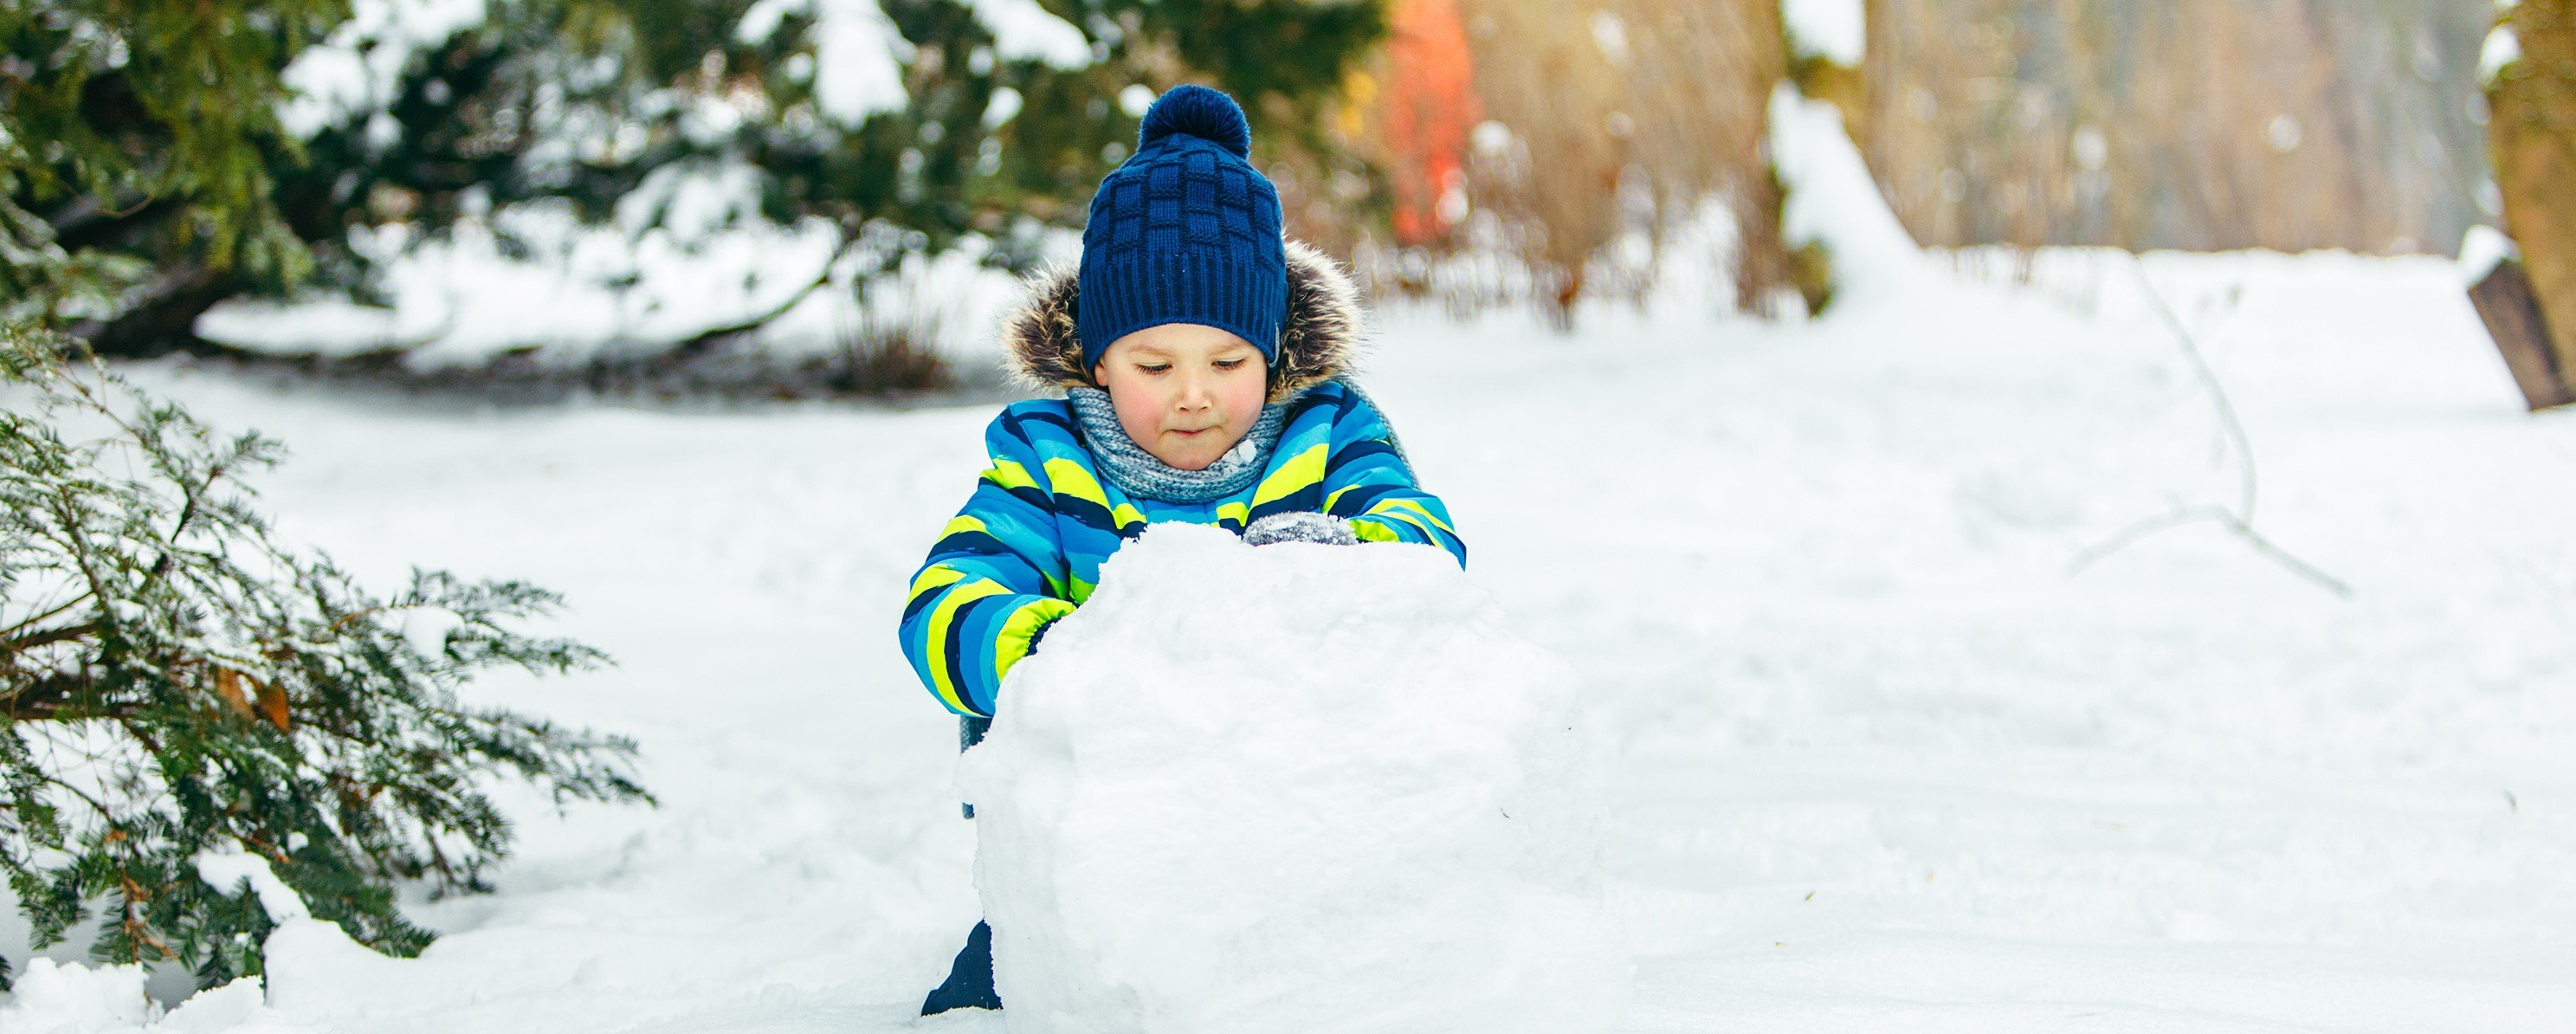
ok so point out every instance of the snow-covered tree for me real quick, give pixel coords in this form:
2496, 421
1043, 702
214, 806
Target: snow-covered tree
140, 141
903, 126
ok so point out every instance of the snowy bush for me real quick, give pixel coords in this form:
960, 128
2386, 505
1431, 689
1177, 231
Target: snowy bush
174, 687
1291, 788
159, 157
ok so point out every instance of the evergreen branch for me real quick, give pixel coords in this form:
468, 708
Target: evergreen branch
10, 644
106, 815
179, 528
61, 634
220, 688
56, 698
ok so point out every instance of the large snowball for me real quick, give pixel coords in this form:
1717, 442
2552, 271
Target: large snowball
1296, 788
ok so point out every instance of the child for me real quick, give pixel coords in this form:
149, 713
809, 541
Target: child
1200, 355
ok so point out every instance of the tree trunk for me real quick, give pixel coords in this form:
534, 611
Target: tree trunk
2512, 315
2531, 134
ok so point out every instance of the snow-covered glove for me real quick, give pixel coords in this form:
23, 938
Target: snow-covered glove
1301, 527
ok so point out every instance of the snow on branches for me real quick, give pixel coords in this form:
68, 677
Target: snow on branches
174, 685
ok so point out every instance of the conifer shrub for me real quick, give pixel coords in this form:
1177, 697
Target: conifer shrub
158, 157
175, 683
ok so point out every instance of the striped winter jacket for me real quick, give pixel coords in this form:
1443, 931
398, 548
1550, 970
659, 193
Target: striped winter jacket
1028, 546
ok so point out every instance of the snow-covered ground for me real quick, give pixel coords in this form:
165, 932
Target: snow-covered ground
1902, 725
1876, 759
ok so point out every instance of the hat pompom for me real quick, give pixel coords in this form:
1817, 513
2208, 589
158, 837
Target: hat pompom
1201, 112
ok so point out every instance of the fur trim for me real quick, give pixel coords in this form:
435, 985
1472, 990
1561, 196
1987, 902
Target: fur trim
1318, 341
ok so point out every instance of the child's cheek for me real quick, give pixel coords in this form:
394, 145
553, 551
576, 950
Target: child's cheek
1245, 392
1140, 408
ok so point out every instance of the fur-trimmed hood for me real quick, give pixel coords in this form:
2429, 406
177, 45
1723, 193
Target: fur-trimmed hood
1318, 341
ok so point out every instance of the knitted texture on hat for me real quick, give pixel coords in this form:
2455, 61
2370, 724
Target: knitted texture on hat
1139, 473
1185, 231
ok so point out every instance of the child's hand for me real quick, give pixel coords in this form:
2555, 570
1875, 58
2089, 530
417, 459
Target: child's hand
1300, 527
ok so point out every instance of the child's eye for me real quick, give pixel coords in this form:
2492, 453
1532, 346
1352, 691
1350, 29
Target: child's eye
1228, 364
1154, 367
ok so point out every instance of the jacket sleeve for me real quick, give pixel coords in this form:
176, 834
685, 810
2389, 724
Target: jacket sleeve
1368, 483
996, 577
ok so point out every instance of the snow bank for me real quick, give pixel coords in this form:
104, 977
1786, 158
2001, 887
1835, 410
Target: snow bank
592, 293
51, 998
1294, 788
1832, 200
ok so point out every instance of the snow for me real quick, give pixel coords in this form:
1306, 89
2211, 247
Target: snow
1833, 201
692, 200
318, 326
675, 268
1291, 788
2501, 48
426, 629
1022, 29
2481, 250
52, 998
1136, 99
228, 869
858, 53
355, 69
1835, 29
1004, 107
687, 252
858, 59
587, 292
1873, 758
75, 998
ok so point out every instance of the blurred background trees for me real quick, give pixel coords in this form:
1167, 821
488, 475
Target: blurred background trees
1578, 139
161, 158
140, 143
2198, 125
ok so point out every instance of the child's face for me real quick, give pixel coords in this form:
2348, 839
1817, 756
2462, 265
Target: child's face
1185, 391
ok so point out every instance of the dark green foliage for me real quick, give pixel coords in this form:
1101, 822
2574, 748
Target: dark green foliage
579, 102
173, 683
1274, 54
165, 121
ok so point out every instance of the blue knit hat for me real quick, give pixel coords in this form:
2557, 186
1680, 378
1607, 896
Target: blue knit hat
1185, 231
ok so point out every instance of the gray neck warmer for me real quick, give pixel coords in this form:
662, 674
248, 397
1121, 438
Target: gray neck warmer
1137, 473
